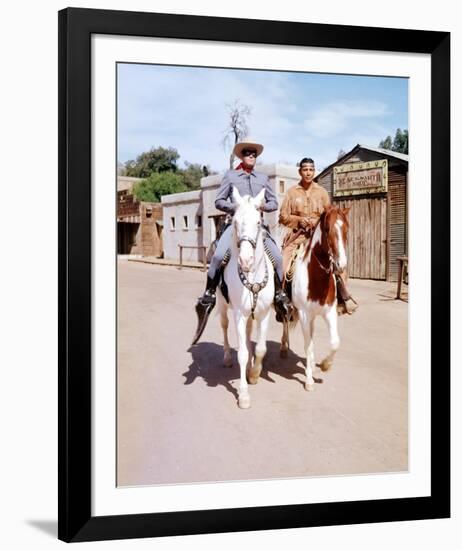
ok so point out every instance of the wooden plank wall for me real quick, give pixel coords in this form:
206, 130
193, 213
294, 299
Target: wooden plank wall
378, 224
366, 248
397, 245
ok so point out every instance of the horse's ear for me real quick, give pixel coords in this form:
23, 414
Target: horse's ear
237, 196
346, 210
259, 200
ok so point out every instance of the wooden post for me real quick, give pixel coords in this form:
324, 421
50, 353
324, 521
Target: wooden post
181, 256
402, 260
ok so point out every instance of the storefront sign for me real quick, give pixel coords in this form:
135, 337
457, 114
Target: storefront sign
361, 178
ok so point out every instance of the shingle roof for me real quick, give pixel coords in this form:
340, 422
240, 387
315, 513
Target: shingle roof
386, 152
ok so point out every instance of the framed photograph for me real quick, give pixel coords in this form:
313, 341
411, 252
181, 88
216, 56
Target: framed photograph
173, 130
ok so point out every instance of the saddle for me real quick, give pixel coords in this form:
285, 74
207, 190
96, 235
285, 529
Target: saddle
288, 275
343, 296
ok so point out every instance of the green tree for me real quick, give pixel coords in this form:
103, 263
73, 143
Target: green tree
193, 173
158, 184
399, 144
386, 143
159, 159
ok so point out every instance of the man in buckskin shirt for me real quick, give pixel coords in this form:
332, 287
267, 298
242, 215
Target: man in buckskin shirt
300, 212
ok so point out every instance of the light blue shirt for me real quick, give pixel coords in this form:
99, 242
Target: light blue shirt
247, 184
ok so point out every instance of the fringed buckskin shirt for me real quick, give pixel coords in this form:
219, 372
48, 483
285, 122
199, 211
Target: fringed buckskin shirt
299, 203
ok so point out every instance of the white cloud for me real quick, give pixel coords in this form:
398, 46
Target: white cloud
335, 117
186, 108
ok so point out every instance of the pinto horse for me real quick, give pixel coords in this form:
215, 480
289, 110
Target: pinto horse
314, 287
249, 276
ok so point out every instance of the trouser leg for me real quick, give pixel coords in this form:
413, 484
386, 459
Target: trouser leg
346, 304
281, 300
287, 253
276, 253
223, 245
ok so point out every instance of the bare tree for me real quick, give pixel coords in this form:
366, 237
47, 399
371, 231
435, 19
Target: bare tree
237, 128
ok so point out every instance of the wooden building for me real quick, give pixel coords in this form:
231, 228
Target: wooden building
139, 224
373, 183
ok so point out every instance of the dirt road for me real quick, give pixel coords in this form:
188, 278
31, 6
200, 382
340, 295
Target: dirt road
178, 419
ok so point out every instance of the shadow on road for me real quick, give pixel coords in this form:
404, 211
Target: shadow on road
207, 363
289, 367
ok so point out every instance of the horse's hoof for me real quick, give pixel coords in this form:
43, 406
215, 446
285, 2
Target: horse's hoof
309, 387
253, 379
253, 375
283, 354
325, 366
244, 401
227, 360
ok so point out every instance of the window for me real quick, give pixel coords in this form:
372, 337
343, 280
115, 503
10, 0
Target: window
282, 186
198, 221
172, 222
185, 222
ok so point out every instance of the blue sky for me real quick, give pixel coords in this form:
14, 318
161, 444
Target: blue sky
292, 114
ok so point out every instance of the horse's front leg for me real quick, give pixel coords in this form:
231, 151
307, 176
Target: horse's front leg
260, 348
331, 320
227, 359
243, 357
307, 328
248, 333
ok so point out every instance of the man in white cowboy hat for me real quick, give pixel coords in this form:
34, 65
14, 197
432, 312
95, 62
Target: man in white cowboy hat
248, 182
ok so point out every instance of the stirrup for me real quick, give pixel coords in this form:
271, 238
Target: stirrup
283, 307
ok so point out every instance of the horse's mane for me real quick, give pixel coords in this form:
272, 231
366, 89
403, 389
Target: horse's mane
327, 222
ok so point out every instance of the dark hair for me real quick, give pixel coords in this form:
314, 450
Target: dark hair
305, 161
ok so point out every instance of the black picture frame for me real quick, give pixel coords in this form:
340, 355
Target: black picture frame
76, 27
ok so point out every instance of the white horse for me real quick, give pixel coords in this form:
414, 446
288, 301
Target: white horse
249, 276
314, 286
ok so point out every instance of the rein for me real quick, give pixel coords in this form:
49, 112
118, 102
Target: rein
333, 264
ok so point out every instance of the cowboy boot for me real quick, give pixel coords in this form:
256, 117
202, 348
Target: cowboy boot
345, 302
281, 302
205, 304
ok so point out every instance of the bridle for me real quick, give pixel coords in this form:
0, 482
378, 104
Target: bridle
254, 288
333, 263
253, 242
